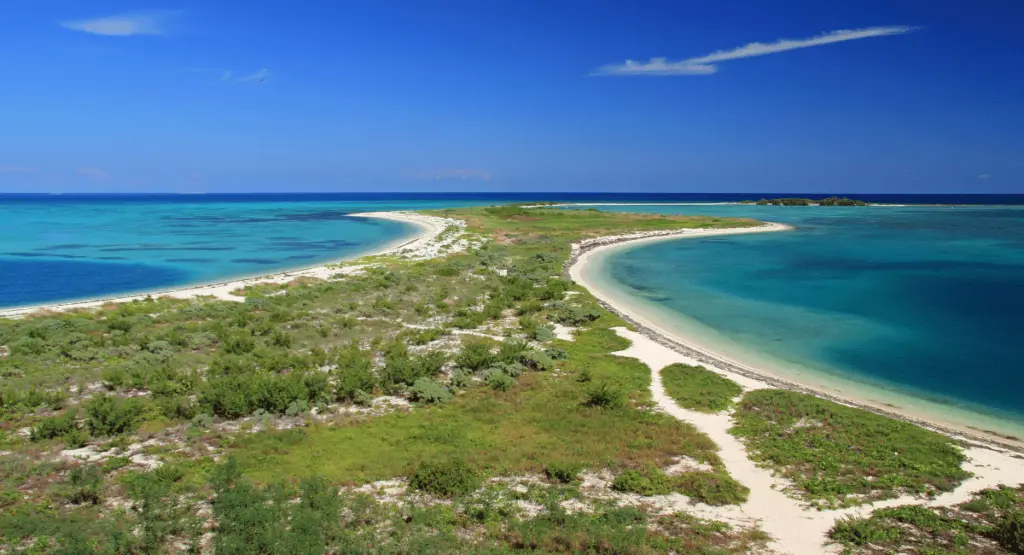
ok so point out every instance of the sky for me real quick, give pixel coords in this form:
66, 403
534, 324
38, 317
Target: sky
869, 96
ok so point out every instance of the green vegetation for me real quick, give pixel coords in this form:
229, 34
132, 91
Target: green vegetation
563, 472
211, 377
991, 522
706, 487
697, 388
840, 455
499, 432
445, 478
829, 201
444, 374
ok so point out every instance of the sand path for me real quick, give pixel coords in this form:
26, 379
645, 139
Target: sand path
796, 528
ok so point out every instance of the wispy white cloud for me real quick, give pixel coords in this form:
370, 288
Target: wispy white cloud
460, 174
96, 174
984, 176
124, 25
17, 169
228, 76
258, 76
706, 65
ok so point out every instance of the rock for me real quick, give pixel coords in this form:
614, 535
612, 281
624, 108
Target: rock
5, 351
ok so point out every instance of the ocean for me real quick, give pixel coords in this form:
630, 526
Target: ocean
71, 247
923, 303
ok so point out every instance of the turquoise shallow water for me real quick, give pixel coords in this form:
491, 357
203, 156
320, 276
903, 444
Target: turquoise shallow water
927, 302
57, 250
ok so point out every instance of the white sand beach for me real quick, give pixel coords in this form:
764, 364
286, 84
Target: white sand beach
796, 527
427, 243
947, 420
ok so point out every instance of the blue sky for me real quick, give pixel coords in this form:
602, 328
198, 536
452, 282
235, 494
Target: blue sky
378, 95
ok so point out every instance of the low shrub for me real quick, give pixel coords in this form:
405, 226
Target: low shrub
498, 380
75, 438
697, 388
54, 426
362, 398
511, 351
1009, 531
461, 377
563, 472
605, 396
108, 415
85, 485
513, 369
475, 355
447, 478
651, 481
428, 391
556, 354
711, 488
576, 316
537, 360
863, 531
543, 334
349, 381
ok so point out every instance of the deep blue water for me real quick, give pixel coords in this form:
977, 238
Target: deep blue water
928, 301
925, 300
63, 247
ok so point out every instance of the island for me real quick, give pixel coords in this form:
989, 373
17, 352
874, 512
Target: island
829, 201
466, 392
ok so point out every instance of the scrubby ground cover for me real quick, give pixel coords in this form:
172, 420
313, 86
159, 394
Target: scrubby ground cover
991, 522
117, 423
837, 455
697, 388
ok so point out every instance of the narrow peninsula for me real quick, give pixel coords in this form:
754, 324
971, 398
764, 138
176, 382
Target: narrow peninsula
459, 393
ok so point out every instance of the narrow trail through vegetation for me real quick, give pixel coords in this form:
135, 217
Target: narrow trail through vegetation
797, 528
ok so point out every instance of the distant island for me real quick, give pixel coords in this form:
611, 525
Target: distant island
830, 201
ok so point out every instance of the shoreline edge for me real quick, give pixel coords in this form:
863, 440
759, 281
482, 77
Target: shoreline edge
583, 250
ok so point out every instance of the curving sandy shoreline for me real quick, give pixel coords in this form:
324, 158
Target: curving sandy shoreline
422, 245
585, 252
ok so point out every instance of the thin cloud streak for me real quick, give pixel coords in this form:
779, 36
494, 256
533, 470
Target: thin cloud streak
258, 76
123, 25
460, 174
706, 65
96, 174
228, 76
17, 169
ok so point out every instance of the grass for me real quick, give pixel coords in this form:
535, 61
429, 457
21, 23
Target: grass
711, 488
839, 455
540, 418
990, 523
204, 375
697, 388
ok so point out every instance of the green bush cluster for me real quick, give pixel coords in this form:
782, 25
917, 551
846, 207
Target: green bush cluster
832, 452
563, 472
55, 426
605, 396
712, 488
265, 520
498, 380
84, 485
107, 415
577, 315
447, 478
428, 391
697, 388
992, 516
